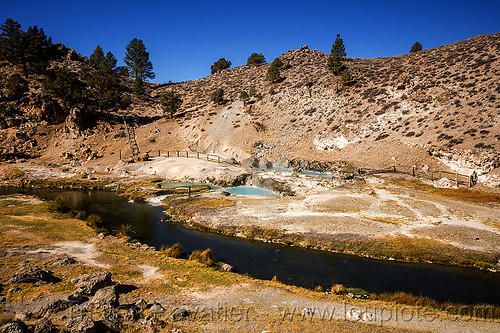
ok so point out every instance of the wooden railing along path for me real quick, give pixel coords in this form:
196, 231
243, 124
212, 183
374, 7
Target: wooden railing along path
430, 174
200, 156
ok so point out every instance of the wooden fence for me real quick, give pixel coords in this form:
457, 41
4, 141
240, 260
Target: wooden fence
198, 155
429, 174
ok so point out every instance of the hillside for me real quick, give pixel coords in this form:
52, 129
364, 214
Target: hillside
400, 110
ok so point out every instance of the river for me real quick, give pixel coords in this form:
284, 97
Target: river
297, 266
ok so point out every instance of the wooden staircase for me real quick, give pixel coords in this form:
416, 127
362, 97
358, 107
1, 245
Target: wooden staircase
131, 139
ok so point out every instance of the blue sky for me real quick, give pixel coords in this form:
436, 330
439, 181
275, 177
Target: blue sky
185, 37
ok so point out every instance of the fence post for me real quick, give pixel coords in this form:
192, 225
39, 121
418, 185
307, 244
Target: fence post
413, 170
218, 159
189, 191
197, 155
440, 175
177, 153
207, 157
158, 152
120, 154
394, 168
470, 181
168, 153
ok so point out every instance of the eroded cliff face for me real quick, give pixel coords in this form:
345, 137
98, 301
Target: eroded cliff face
431, 107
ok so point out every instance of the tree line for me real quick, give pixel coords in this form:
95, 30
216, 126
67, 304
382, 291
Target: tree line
98, 87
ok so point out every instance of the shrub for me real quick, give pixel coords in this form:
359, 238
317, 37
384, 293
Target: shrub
318, 289
346, 76
94, 221
204, 257
256, 59
338, 289
16, 87
175, 251
244, 96
416, 47
253, 91
59, 205
170, 103
125, 230
218, 96
220, 65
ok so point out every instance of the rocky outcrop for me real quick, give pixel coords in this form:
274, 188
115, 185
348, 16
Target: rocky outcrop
32, 274
89, 284
14, 327
106, 297
81, 323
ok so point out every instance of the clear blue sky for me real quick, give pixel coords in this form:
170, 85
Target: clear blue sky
185, 37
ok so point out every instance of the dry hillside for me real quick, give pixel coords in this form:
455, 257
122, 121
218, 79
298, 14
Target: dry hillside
402, 110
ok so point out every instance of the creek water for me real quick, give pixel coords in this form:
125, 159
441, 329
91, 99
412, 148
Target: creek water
291, 265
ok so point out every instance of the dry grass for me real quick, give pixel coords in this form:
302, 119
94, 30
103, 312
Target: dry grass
491, 311
205, 257
175, 251
460, 194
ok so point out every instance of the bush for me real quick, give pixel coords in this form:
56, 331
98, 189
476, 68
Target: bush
256, 59
94, 221
59, 205
16, 87
253, 91
175, 251
204, 257
416, 47
125, 230
218, 96
244, 96
273, 73
220, 65
346, 76
170, 103
338, 289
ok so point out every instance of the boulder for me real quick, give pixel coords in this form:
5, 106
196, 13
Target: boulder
14, 327
111, 319
88, 284
67, 261
179, 314
227, 268
156, 308
81, 323
141, 304
44, 325
77, 298
31, 274
55, 306
105, 298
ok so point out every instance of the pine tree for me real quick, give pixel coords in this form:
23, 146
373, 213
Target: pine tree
36, 49
11, 41
256, 59
138, 63
65, 85
170, 103
337, 54
338, 48
220, 65
273, 72
96, 58
29, 49
416, 47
